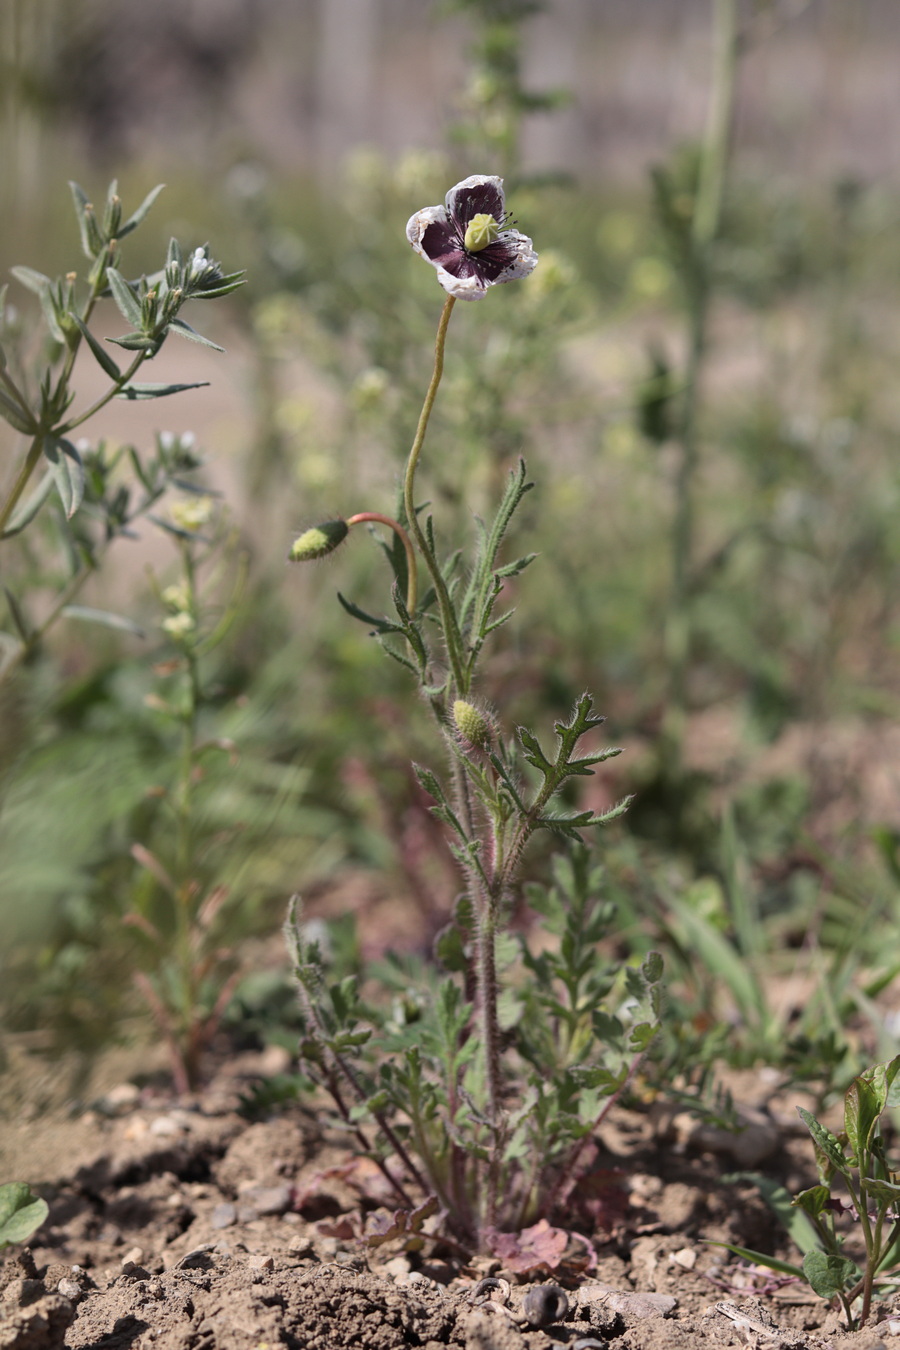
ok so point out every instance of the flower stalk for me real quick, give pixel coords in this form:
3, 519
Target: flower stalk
449, 1081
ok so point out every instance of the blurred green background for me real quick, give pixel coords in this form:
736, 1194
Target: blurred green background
296, 138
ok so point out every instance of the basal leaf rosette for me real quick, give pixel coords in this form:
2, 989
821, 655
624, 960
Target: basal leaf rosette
466, 241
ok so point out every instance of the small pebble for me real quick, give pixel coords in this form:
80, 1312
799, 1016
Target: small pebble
133, 1256
198, 1259
69, 1289
301, 1246
223, 1216
267, 1199
119, 1100
165, 1126
397, 1268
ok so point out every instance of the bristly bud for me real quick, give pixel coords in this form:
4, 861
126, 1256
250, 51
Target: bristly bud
473, 727
319, 541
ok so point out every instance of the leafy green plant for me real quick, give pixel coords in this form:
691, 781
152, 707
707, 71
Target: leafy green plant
21, 1212
37, 398
495, 1082
855, 1165
186, 972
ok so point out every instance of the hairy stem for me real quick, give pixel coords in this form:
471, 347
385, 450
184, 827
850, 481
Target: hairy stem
412, 571
448, 617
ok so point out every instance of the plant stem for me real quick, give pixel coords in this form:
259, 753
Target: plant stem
104, 399
705, 229
412, 571
20, 483
448, 618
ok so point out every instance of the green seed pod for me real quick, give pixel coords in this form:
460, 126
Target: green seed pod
481, 231
319, 541
472, 725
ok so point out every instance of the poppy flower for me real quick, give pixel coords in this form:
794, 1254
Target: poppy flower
466, 242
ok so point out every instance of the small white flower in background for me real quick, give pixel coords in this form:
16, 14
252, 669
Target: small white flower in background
193, 513
178, 625
176, 596
466, 241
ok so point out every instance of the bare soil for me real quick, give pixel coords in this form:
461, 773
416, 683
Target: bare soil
179, 1225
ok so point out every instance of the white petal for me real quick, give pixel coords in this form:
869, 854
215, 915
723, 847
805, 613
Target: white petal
461, 288
418, 224
475, 180
526, 261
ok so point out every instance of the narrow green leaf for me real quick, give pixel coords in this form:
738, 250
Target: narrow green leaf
102, 356
26, 511
68, 472
826, 1141
145, 391
758, 1258
186, 331
17, 614
35, 281
401, 660
225, 286
52, 309
791, 1213
139, 215
21, 1212
379, 625
136, 342
125, 297
860, 1113
104, 617
514, 568
15, 416
429, 782
714, 950
82, 202
533, 752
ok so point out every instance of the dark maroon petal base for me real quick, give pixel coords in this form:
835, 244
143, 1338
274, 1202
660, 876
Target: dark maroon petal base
490, 262
443, 245
485, 199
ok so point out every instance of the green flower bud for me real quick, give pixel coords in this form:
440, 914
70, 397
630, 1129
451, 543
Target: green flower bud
318, 541
472, 725
480, 231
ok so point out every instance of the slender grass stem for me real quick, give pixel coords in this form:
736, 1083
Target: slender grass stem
705, 229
